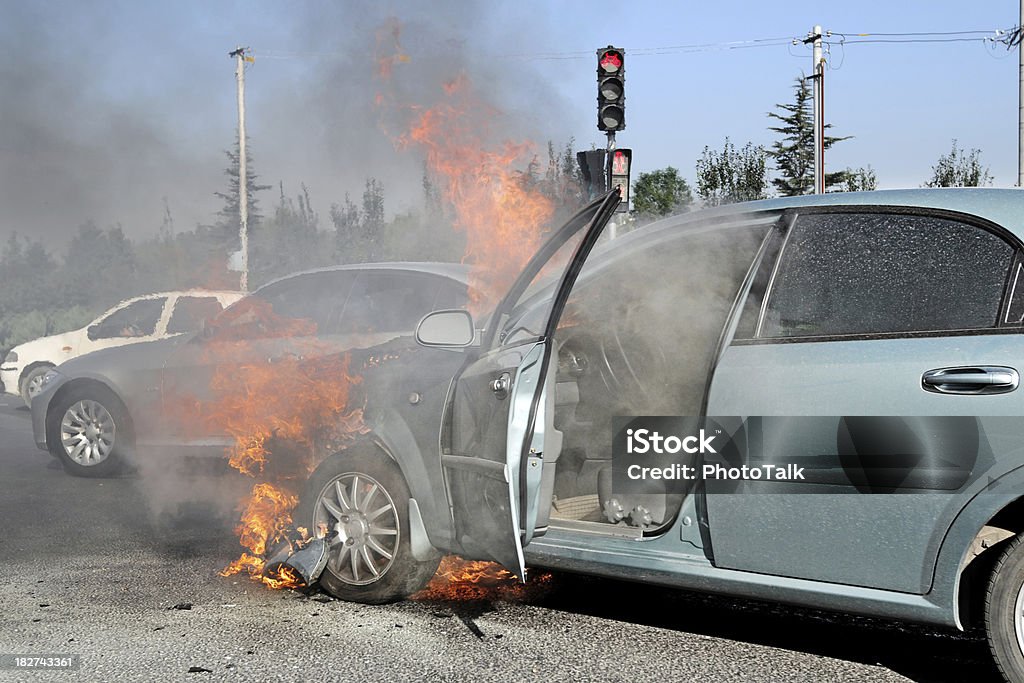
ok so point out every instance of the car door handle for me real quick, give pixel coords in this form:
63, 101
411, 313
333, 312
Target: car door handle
972, 379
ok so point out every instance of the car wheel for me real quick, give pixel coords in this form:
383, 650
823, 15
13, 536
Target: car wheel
89, 432
1004, 611
361, 500
32, 382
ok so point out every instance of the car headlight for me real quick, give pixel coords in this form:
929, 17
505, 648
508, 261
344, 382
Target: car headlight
48, 377
12, 357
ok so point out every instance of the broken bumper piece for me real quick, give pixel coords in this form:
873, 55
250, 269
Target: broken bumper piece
308, 561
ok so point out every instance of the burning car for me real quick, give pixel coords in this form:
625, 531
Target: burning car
143, 318
92, 412
869, 341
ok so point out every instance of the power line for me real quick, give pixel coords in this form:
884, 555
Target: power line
915, 33
910, 40
1010, 37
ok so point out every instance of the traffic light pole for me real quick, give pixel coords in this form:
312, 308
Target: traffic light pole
613, 223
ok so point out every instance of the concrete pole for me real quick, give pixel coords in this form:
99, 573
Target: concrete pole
819, 113
243, 184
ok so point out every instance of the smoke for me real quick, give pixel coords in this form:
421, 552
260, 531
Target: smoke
109, 108
638, 338
77, 146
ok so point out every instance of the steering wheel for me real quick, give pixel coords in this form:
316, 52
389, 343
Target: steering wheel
630, 367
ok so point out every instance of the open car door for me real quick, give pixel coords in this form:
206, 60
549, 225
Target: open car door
499, 445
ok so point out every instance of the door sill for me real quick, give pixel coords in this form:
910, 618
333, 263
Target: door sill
596, 528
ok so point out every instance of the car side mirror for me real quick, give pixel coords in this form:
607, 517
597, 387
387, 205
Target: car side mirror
451, 328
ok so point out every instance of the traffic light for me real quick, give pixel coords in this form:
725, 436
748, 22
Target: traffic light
611, 89
619, 162
592, 169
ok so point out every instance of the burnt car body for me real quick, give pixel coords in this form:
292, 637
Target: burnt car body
896, 313
106, 404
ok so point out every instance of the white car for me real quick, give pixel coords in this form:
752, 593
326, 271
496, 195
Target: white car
144, 318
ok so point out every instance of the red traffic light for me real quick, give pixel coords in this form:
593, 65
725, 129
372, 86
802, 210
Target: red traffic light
610, 61
620, 162
611, 89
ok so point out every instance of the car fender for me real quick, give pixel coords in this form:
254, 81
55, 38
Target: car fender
994, 494
393, 435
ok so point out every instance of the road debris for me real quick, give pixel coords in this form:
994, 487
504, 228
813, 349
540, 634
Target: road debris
308, 561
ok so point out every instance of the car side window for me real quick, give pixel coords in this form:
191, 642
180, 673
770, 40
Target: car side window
389, 302
875, 273
646, 319
137, 319
191, 311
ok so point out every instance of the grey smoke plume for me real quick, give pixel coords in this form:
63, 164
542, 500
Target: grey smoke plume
109, 107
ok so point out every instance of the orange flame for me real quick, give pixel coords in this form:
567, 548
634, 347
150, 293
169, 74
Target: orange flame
283, 416
459, 579
495, 205
502, 216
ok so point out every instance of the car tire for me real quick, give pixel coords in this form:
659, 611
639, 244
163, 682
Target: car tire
32, 378
1004, 611
89, 431
363, 532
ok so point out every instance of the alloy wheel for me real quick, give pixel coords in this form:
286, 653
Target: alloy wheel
87, 433
35, 385
362, 528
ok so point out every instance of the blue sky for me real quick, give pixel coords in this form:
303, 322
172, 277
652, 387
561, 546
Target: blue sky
111, 107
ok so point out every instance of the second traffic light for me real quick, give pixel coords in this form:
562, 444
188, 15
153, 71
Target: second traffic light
611, 89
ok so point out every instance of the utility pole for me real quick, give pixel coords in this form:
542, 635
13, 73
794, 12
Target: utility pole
243, 179
818, 75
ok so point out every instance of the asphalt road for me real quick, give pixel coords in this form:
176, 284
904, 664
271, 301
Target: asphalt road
95, 568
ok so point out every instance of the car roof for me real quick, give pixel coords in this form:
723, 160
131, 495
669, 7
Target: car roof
454, 271
1004, 206
180, 292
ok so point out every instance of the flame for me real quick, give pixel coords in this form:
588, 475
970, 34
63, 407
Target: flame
283, 417
488, 198
491, 201
459, 579
389, 32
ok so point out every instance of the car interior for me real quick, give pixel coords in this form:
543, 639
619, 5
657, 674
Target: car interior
637, 337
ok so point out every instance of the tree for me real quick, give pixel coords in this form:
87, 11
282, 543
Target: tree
227, 228
359, 232
100, 267
859, 180
346, 220
661, 193
373, 218
289, 240
732, 175
563, 180
959, 169
794, 152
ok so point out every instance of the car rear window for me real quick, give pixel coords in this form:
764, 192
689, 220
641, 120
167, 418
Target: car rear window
876, 273
191, 311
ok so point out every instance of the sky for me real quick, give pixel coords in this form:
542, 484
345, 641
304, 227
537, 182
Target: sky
117, 111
